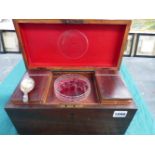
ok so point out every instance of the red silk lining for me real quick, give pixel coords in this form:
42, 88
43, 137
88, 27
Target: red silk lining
46, 44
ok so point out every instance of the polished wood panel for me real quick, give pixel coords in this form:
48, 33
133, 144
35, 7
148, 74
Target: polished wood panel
55, 120
73, 21
111, 87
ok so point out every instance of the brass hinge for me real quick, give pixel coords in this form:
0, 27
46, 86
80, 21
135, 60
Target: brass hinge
72, 21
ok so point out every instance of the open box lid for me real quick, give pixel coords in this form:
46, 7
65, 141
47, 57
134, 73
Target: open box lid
62, 44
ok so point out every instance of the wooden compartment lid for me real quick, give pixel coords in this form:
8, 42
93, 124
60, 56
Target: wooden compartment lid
57, 44
111, 88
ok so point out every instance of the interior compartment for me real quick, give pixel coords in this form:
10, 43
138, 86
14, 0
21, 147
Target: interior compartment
39, 94
92, 99
106, 86
111, 88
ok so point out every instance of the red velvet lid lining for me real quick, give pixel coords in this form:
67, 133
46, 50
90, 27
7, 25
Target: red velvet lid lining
67, 45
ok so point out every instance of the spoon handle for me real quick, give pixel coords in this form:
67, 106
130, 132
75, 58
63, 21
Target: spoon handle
25, 98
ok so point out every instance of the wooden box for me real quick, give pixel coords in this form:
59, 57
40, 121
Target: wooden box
92, 48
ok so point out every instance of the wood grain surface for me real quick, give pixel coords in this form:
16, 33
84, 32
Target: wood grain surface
112, 88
